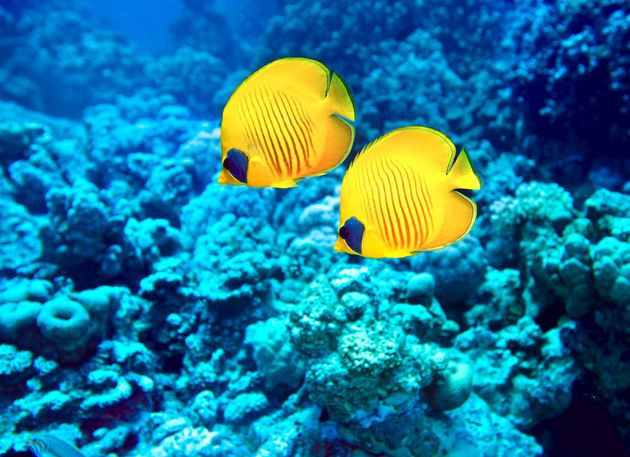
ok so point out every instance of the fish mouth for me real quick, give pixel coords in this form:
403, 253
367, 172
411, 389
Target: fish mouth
226, 178
341, 246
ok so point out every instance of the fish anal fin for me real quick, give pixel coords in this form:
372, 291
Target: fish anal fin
461, 213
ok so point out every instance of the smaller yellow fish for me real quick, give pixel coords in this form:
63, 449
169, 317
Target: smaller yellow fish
399, 195
289, 120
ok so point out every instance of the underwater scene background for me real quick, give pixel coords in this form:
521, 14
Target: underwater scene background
147, 310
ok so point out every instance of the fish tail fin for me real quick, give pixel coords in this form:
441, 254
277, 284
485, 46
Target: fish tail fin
340, 98
461, 213
461, 173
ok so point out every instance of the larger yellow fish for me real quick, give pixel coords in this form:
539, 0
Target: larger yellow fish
290, 119
399, 195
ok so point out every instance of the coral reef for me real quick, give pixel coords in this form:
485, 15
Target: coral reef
147, 310
574, 50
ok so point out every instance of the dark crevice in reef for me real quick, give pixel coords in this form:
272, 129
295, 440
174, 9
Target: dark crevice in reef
17, 454
549, 317
584, 430
173, 363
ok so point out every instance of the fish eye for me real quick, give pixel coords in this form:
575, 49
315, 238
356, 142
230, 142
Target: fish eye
352, 233
236, 163
228, 164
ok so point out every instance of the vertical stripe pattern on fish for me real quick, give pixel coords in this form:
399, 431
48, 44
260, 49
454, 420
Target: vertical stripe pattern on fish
399, 197
291, 119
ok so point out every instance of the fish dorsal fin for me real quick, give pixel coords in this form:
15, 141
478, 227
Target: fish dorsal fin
297, 75
424, 145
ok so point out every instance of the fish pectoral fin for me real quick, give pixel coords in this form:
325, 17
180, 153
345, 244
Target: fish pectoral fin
337, 146
461, 213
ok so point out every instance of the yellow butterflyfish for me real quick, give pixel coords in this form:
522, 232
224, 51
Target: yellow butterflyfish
291, 119
399, 195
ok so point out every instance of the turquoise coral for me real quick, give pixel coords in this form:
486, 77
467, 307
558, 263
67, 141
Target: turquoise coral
360, 370
220, 320
452, 386
611, 269
273, 353
16, 318
537, 205
245, 407
14, 364
610, 212
64, 323
567, 268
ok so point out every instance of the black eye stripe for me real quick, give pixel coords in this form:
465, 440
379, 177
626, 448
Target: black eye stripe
236, 163
352, 232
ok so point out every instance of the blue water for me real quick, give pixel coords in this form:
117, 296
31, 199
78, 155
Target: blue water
144, 23
145, 309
